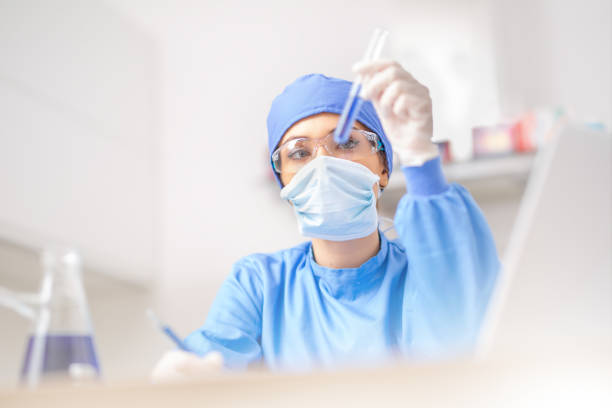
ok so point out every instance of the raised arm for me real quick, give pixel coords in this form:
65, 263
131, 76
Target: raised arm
452, 260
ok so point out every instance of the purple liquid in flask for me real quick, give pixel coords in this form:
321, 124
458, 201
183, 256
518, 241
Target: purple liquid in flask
62, 354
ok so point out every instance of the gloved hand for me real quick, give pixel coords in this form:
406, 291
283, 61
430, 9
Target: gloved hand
178, 365
404, 106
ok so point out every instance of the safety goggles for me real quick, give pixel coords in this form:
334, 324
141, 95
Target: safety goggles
294, 154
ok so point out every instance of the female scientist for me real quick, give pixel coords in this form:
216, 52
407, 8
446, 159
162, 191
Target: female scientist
350, 295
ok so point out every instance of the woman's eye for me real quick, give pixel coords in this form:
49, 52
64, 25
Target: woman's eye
349, 144
298, 154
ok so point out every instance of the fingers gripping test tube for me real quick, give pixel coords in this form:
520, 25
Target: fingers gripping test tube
353, 102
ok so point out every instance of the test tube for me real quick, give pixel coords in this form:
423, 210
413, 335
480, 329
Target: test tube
353, 102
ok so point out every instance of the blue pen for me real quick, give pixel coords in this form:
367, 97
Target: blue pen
167, 330
353, 102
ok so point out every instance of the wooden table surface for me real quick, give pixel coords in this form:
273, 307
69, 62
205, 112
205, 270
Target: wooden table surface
582, 380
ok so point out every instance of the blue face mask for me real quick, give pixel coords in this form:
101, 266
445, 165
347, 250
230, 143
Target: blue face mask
333, 199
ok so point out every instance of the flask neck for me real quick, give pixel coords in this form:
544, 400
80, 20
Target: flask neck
63, 295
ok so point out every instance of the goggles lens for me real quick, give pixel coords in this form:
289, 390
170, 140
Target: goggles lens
294, 154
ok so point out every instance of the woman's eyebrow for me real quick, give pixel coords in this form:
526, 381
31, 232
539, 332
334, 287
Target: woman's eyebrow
296, 137
309, 137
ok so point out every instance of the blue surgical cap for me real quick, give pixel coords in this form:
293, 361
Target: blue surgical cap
315, 93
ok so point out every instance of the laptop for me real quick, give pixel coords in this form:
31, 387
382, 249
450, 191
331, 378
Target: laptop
554, 295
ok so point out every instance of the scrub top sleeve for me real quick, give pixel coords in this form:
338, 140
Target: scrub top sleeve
233, 325
452, 262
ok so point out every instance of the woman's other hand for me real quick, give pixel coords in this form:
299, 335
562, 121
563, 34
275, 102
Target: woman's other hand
404, 106
178, 365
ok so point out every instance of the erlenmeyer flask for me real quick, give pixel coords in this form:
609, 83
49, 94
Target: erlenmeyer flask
61, 345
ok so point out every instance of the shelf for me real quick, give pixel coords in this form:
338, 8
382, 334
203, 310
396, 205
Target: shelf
515, 166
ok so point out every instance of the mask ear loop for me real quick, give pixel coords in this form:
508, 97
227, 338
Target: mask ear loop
387, 219
381, 218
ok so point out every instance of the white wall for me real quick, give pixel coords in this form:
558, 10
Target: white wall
78, 144
555, 53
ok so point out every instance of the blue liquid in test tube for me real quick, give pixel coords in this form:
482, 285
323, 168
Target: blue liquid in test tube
349, 114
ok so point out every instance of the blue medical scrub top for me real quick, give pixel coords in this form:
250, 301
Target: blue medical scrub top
423, 295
